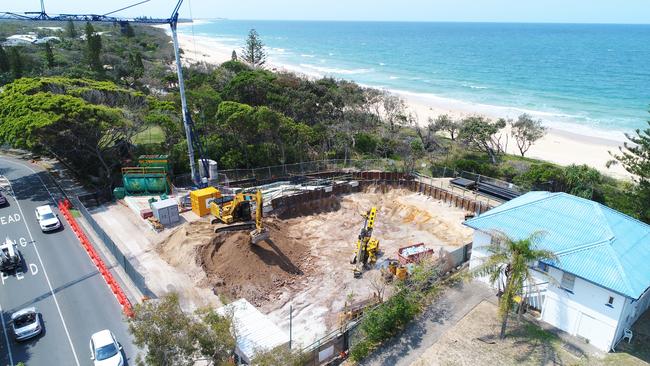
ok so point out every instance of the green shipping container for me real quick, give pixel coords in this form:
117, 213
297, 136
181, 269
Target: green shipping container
145, 183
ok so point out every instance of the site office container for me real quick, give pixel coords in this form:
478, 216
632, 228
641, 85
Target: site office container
200, 198
166, 211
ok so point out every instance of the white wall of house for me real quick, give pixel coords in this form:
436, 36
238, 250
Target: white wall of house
585, 311
480, 240
632, 311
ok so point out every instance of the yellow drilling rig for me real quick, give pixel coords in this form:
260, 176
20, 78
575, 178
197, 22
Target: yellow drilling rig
367, 246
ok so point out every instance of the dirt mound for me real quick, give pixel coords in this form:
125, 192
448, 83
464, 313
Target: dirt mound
181, 247
256, 272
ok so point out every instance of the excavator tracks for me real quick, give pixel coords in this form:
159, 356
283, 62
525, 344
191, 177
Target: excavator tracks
221, 227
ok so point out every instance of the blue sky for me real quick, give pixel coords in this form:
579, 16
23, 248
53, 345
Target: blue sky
564, 11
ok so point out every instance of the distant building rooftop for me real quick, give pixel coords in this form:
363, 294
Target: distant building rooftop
591, 241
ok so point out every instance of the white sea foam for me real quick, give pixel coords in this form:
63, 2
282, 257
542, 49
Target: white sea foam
394, 77
306, 55
472, 86
334, 70
557, 120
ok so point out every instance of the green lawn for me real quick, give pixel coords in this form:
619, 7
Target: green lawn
152, 135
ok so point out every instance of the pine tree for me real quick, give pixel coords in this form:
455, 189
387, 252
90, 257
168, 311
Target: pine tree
49, 55
136, 67
253, 53
94, 49
128, 31
16, 62
70, 30
635, 158
4, 61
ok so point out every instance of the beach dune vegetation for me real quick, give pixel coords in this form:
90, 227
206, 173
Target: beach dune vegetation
526, 131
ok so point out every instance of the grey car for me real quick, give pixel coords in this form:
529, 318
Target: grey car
26, 324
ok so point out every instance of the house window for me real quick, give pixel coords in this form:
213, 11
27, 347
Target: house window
610, 302
568, 280
496, 240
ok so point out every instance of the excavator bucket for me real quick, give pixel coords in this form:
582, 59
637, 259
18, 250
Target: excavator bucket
259, 235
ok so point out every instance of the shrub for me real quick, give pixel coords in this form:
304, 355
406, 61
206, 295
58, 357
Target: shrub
543, 176
366, 143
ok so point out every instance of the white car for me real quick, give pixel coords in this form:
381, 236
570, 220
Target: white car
25, 324
104, 349
47, 219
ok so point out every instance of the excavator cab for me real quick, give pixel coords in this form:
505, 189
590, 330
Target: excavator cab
234, 213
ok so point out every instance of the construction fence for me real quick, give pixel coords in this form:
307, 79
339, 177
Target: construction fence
263, 175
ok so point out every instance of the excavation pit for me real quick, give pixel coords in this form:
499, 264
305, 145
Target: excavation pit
305, 263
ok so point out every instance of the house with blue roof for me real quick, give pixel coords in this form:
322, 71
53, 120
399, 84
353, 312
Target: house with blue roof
600, 283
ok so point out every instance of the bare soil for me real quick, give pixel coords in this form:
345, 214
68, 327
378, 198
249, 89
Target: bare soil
255, 272
475, 341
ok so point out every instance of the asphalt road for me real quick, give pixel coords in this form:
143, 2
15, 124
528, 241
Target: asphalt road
58, 278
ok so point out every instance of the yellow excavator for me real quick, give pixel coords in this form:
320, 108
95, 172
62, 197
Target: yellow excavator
367, 246
235, 214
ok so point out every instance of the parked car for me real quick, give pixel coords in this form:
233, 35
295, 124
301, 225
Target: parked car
104, 349
26, 324
47, 219
3, 199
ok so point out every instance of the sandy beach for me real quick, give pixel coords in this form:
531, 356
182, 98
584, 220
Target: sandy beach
559, 146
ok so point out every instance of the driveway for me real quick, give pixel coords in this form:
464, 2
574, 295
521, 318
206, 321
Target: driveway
423, 332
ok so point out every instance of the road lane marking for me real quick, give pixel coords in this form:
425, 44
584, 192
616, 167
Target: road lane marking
47, 278
4, 329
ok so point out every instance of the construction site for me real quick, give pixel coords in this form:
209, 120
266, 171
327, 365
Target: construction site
304, 251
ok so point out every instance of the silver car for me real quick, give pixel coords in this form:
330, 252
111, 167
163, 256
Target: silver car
26, 323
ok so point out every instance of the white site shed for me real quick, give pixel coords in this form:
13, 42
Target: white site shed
254, 331
166, 211
600, 283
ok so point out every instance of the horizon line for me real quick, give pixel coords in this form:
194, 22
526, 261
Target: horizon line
422, 21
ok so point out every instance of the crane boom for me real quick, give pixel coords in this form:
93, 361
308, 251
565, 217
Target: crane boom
193, 142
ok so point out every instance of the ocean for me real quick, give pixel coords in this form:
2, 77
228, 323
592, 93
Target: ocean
587, 78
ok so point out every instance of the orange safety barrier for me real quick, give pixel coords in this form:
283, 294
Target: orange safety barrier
64, 207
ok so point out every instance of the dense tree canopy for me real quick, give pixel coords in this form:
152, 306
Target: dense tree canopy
171, 336
87, 123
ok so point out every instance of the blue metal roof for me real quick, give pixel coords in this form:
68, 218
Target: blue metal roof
591, 241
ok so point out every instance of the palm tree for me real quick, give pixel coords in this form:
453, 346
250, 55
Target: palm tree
511, 259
